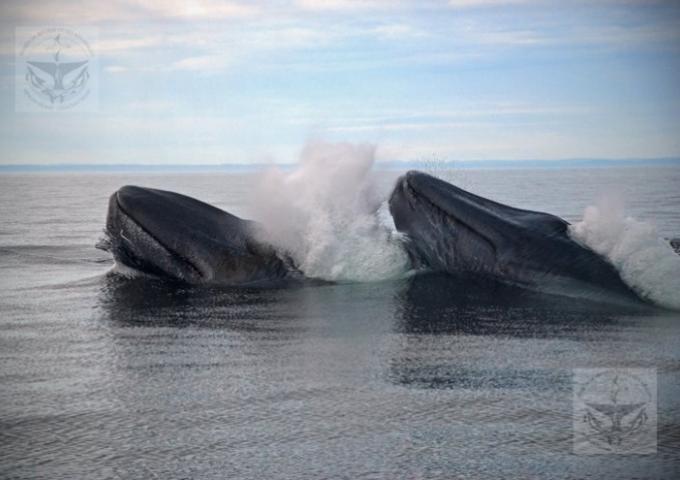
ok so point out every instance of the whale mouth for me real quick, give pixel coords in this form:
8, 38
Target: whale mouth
459, 208
174, 236
135, 245
446, 227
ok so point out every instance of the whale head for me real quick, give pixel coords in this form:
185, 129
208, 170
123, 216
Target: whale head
174, 236
447, 227
452, 230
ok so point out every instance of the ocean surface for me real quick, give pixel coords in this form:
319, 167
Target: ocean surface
104, 376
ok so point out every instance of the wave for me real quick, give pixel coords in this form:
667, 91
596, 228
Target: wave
54, 254
328, 215
645, 261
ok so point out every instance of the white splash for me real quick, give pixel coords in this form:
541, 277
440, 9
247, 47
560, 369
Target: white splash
325, 215
646, 262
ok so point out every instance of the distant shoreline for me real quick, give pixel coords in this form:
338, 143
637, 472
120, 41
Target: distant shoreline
236, 168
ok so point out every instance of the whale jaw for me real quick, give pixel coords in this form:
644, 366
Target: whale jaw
134, 246
451, 230
173, 236
443, 228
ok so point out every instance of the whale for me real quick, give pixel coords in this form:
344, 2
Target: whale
176, 237
448, 229
444, 229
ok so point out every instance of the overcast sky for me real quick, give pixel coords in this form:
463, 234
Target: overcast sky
231, 82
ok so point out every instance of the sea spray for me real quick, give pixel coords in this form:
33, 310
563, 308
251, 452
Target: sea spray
646, 262
325, 215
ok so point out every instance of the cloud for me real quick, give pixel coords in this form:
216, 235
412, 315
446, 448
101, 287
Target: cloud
495, 36
93, 12
488, 115
116, 69
199, 9
345, 4
288, 36
487, 3
117, 42
203, 63
77, 12
150, 106
613, 35
397, 31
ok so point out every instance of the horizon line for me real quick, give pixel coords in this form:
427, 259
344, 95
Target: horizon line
387, 164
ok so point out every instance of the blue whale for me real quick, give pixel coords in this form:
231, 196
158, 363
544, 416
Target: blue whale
177, 237
451, 230
446, 229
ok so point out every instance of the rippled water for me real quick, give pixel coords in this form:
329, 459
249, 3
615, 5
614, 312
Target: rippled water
106, 377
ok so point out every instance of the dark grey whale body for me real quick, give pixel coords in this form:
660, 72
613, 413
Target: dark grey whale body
451, 230
178, 237
447, 230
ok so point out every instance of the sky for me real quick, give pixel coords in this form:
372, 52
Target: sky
209, 82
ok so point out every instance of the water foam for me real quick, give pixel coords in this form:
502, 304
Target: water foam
646, 262
325, 214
